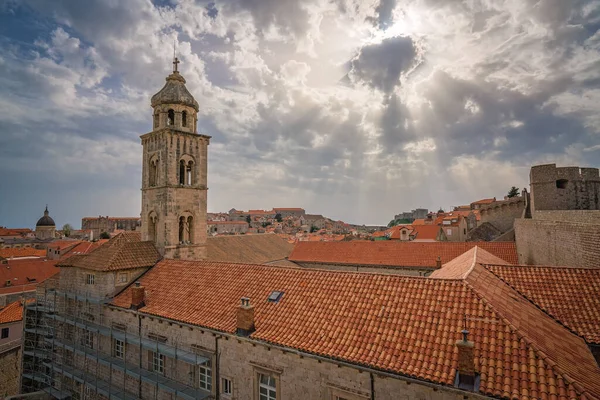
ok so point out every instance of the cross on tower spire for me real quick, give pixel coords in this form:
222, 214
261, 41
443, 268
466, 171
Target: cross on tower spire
175, 59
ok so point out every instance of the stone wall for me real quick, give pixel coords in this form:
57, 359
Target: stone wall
10, 371
583, 216
502, 214
557, 243
109, 224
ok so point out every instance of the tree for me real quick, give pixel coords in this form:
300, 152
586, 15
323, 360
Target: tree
313, 229
513, 192
278, 217
104, 235
248, 219
66, 229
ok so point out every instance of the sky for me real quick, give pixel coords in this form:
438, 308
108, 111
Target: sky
354, 109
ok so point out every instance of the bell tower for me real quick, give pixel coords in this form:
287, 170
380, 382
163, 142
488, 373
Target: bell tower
174, 174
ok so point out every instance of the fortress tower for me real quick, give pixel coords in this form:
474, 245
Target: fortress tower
174, 174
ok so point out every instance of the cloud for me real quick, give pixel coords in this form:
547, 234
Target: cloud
334, 106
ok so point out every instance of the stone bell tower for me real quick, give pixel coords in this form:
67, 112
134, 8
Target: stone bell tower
174, 174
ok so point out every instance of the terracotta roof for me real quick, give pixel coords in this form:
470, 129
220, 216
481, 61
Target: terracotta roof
397, 324
418, 221
13, 312
460, 267
484, 201
25, 274
124, 251
259, 249
14, 231
227, 223
63, 244
570, 295
426, 232
288, 209
22, 252
84, 248
393, 253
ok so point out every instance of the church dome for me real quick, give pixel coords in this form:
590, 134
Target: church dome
46, 220
174, 92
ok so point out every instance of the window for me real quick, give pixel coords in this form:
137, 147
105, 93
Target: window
206, 376
153, 171
170, 117
184, 119
158, 362
118, 348
8, 282
87, 393
226, 386
181, 230
90, 279
156, 119
4, 333
464, 231
266, 387
182, 172
88, 339
122, 278
562, 184
449, 232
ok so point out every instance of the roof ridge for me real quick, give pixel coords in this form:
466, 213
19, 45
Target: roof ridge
541, 266
408, 277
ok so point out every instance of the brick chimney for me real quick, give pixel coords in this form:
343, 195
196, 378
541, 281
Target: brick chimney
245, 318
438, 262
138, 293
466, 374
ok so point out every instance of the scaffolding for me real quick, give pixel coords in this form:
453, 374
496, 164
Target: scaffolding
62, 354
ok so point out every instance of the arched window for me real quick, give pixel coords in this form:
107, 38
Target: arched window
189, 173
190, 228
182, 172
184, 118
153, 172
156, 119
152, 228
171, 117
181, 230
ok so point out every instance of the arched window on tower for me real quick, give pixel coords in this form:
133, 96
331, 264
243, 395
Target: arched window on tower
190, 228
153, 172
184, 118
181, 230
182, 172
171, 117
188, 172
152, 228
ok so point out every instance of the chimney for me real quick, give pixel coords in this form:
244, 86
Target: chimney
438, 262
138, 293
466, 375
245, 318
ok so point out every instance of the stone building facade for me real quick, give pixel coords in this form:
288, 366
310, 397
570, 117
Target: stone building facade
225, 227
100, 224
174, 174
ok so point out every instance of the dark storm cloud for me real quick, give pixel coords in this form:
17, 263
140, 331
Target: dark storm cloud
384, 13
380, 65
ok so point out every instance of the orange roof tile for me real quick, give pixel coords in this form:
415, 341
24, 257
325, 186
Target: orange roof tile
24, 274
426, 232
22, 252
84, 248
13, 312
394, 253
288, 209
403, 325
484, 201
570, 295
124, 251
14, 231
418, 221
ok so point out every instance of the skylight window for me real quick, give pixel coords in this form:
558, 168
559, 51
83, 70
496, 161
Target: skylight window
275, 296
